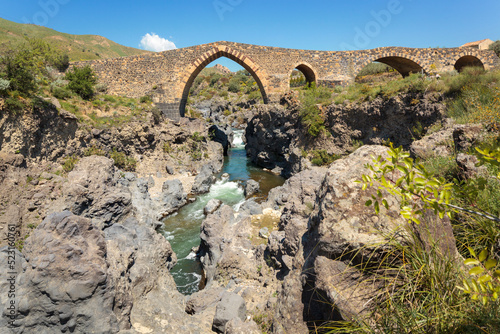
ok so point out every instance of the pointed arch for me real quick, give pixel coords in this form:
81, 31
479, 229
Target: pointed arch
403, 63
216, 52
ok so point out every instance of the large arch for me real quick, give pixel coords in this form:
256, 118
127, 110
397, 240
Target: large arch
219, 51
468, 61
307, 70
404, 64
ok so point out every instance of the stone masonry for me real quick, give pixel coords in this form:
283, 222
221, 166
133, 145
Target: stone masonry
168, 75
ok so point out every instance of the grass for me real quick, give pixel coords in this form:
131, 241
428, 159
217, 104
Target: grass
78, 47
69, 163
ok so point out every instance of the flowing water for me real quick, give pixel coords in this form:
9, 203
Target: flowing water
182, 229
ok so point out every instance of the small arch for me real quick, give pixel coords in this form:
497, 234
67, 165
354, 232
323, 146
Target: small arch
199, 64
468, 61
308, 72
404, 65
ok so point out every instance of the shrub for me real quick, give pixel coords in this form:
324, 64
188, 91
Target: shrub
214, 79
4, 85
496, 47
82, 81
321, 157
61, 93
146, 99
310, 114
122, 161
69, 163
234, 85
93, 150
255, 95
13, 104
101, 88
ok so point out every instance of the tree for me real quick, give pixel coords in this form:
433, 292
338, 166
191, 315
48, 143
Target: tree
82, 81
496, 47
19, 68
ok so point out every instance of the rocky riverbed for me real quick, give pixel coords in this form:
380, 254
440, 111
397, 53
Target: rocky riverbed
88, 257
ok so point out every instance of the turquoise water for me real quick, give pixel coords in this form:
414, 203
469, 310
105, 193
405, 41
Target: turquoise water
182, 229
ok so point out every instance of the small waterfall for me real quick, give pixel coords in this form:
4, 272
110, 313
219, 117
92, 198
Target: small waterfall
238, 139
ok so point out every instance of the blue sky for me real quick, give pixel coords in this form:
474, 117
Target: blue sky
313, 24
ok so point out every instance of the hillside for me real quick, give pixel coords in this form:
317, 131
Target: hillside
78, 47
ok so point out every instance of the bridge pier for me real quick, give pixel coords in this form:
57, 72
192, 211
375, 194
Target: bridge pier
171, 110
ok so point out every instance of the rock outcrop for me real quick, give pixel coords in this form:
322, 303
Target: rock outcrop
50, 134
64, 286
276, 137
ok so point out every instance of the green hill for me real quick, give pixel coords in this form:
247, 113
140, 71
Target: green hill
78, 47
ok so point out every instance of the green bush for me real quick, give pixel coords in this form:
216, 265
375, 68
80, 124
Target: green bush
496, 47
93, 150
13, 104
146, 99
61, 62
82, 81
321, 157
214, 79
310, 114
28, 63
20, 70
122, 161
61, 93
234, 85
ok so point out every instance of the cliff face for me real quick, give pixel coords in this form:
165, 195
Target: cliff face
88, 257
276, 138
48, 133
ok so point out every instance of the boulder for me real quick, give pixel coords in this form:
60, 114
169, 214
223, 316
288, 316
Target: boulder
93, 192
467, 165
466, 135
220, 136
201, 300
172, 197
212, 206
238, 326
231, 306
204, 179
342, 231
212, 238
439, 144
252, 187
250, 207
15, 160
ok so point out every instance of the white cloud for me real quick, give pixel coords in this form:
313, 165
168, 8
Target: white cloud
153, 42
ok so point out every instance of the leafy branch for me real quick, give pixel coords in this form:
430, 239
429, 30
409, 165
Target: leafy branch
419, 191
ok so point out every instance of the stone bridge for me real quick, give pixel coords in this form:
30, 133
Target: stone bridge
168, 75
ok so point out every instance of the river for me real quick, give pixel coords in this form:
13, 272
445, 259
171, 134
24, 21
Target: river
182, 229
